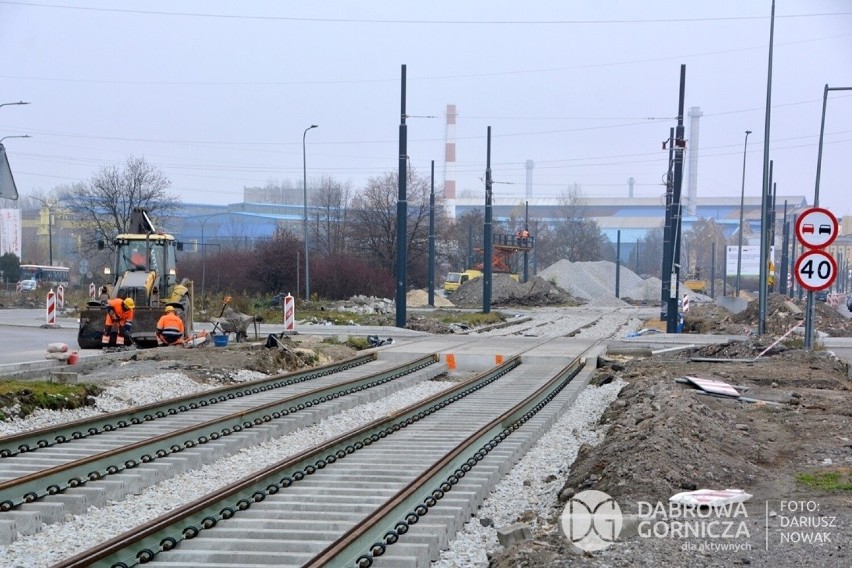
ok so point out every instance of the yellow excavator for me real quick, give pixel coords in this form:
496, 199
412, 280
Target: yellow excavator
694, 281
144, 269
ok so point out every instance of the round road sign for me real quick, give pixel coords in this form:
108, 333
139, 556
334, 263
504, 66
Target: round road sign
815, 270
816, 227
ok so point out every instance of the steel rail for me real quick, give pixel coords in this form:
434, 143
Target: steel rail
164, 533
34, 440
387, 524
77, 473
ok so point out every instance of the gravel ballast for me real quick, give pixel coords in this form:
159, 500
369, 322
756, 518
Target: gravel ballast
79, 532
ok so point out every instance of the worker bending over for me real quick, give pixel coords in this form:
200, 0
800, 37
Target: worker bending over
119, 319
169, 328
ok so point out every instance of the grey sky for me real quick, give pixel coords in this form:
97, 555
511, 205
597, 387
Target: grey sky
217, 94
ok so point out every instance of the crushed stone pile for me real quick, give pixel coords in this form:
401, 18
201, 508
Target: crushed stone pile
594, 282
506, 291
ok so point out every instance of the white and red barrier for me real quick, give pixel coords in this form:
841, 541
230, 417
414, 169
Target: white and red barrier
60, 297
93, 291
289, 313
51, 308
685, 303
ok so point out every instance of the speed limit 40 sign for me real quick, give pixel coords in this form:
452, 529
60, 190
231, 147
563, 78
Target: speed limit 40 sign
815, 270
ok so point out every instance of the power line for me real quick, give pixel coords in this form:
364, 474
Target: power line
418, 22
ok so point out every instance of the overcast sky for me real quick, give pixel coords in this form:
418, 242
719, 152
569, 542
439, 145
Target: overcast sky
218, 94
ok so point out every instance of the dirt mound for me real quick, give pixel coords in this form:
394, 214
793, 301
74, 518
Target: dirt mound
664, 437
506, 291
782, 313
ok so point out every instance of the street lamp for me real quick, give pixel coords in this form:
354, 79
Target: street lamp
204, 219
742, 207
49, 207
809, 304
15, 136
17, 103
821, 132
305, 225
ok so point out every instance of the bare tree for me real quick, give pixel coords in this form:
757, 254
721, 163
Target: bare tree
697, 250
462, 238
104, 204
647, 255
331, 207
578, 238
373, 224
238, 231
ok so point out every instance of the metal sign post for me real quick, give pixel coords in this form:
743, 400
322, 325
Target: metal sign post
815, 269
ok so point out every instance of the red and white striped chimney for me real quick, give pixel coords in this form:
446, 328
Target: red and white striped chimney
450, 161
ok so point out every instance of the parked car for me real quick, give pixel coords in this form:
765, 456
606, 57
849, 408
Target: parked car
27, 285
821, 296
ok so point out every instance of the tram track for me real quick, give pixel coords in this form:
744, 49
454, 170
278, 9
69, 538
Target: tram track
305, 508
48, 473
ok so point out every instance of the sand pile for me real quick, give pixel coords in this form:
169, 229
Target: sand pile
420, 298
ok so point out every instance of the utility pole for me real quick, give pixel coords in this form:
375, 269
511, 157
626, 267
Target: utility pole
667, 233
401, 212
679, 146
526, 252
764, 238
486, 260
432, 239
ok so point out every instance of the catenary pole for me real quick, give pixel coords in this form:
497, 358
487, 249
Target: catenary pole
432, 239
486, 257
401, 211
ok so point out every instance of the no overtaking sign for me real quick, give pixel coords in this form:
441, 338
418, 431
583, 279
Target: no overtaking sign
816, 228
815, 269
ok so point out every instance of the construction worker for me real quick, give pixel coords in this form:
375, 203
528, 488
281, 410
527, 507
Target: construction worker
119, 319
169, 328
137, 258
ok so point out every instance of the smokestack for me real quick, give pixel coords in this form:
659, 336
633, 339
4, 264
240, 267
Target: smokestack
450, 162
692, 182
529, 178
630, 182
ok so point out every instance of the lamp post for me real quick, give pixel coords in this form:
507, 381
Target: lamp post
742, 207
17, 103
204, 219
49, 207
809, 304
15, 136
305, 225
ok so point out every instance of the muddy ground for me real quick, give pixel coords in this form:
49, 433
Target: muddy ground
664, 437
219, 364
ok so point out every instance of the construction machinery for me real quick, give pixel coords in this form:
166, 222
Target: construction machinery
694, 281
145, 270
504, 248
456, 279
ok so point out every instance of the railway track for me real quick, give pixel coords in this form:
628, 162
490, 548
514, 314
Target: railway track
391, 493
46, 474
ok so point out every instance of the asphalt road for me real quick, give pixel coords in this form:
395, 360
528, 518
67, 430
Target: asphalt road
22, 339
24, 336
